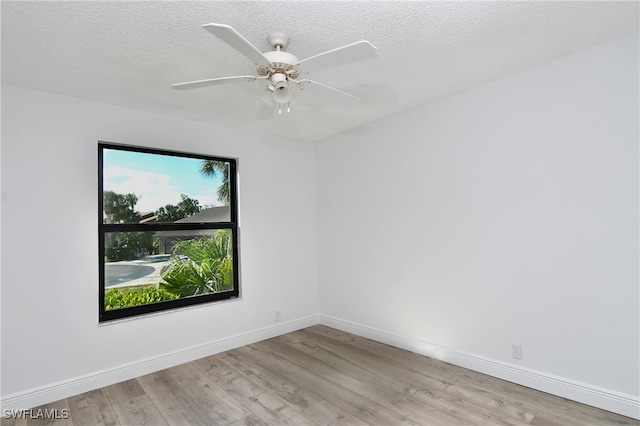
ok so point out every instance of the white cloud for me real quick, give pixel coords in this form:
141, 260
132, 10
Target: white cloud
207, 200
153, 190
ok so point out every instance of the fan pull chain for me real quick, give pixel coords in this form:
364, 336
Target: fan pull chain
280, 108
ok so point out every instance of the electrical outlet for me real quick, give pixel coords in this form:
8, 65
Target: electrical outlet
276, 316
516, 350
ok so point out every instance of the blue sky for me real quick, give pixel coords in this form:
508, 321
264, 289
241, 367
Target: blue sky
157, 179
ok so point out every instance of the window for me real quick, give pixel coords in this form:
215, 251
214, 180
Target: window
168, 232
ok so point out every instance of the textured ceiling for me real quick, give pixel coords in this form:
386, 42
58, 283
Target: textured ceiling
129, 53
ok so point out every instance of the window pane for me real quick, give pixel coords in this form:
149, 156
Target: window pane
143, 187
155, 266
167, 225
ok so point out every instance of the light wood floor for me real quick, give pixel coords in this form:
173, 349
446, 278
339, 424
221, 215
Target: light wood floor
321, 376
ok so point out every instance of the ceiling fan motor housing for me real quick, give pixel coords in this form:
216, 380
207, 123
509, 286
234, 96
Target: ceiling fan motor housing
281, 61
279, 80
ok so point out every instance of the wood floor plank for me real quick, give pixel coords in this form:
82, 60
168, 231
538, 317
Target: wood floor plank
227, 377
320, 376
222, 407
404, 378
570, 411
123, 391
375, 381
92, 408
468, 387
464, 410
325, 413
416, 362
138, 410
548, 419
269, 373
336, 387
251, 420
384, 389
550, 405
498, 404
458, 384
273, 410
176, 406
13, 421
432, 372
213, 367
343, 371
268, 407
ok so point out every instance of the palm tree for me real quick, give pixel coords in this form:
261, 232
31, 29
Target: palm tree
212, 168
120, 208
200, 266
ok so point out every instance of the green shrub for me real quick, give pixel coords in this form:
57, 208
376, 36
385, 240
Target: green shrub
123, 297
200, 266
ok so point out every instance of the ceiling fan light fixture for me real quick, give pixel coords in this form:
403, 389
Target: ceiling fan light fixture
282, 96
281, 91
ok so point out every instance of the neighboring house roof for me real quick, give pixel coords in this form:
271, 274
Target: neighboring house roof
212, 214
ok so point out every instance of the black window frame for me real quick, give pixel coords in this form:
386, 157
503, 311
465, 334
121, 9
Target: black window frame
104, 228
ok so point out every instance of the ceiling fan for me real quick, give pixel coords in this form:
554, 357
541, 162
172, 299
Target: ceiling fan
281, 70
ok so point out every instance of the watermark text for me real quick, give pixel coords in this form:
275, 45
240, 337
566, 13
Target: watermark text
37, 413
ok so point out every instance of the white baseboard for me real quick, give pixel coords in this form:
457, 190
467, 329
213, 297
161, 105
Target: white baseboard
606, 399
627, 405
77, 385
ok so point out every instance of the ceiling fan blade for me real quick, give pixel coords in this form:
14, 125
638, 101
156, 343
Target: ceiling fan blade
237, 41
358, 51
212, 81
329, 92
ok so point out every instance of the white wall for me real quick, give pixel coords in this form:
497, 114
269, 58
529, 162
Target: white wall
52, 345
507, 213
